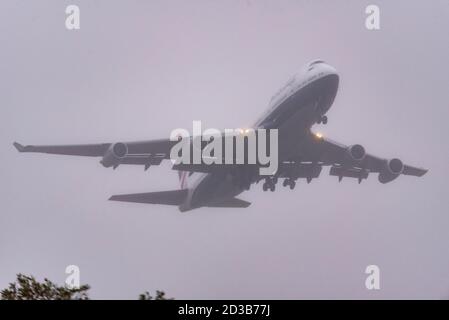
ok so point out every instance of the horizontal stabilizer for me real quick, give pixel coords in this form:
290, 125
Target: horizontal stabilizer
173, 197
230, 203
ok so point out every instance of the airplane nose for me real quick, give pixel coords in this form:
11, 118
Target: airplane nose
321, 65
330, 69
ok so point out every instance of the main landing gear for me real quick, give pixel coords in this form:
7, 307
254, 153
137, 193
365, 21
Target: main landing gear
322, 119
270, 184
289, 182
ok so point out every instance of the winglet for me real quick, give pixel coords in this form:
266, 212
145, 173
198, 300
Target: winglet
19, 147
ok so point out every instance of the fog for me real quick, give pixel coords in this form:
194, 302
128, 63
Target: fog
138, 69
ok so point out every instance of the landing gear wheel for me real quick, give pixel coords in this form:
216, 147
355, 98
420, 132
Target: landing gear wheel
265, 186
292, 185
324, 120
272, 188
285, 183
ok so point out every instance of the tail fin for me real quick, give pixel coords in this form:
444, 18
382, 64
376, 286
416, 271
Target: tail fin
183, 175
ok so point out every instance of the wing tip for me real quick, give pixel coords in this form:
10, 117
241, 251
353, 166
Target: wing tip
19, 147
414, 171
424, 171
421, 171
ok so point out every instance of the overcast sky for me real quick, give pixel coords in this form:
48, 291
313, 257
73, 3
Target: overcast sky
138, 69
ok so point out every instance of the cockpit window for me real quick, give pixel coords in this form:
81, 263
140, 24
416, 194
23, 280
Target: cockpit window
315, 62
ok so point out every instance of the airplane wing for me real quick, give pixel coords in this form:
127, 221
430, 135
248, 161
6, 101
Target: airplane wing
146, 153
315, 152
352, 161
87, 150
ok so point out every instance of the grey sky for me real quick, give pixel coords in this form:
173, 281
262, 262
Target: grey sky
138, 69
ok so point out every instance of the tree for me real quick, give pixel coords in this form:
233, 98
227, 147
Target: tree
28, 288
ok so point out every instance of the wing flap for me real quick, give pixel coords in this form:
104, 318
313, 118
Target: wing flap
142, 159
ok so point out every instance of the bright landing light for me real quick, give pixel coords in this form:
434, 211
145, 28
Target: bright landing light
319, 135
245, 131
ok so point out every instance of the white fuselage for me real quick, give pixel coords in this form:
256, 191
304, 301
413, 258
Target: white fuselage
298, 105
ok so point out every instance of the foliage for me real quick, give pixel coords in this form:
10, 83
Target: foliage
160, 295
28, 288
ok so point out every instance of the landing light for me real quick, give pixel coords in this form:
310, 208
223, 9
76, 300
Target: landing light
319, 135
245, 131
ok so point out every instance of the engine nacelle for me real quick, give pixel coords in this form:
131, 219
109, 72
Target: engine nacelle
392, 169
114, 155
356, 152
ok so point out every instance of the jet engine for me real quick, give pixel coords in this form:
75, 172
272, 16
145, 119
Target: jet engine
392, 169
356, 152
114, 155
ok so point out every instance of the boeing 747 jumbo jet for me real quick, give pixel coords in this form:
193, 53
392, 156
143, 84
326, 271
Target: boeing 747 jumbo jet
293, 110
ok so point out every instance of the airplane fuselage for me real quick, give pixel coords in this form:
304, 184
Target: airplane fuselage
298, 105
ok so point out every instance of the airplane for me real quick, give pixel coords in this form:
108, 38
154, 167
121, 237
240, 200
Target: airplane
301, 103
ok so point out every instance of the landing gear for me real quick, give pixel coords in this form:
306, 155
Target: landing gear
289, 182
270, 184
292, 185
265, 186
322, 119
